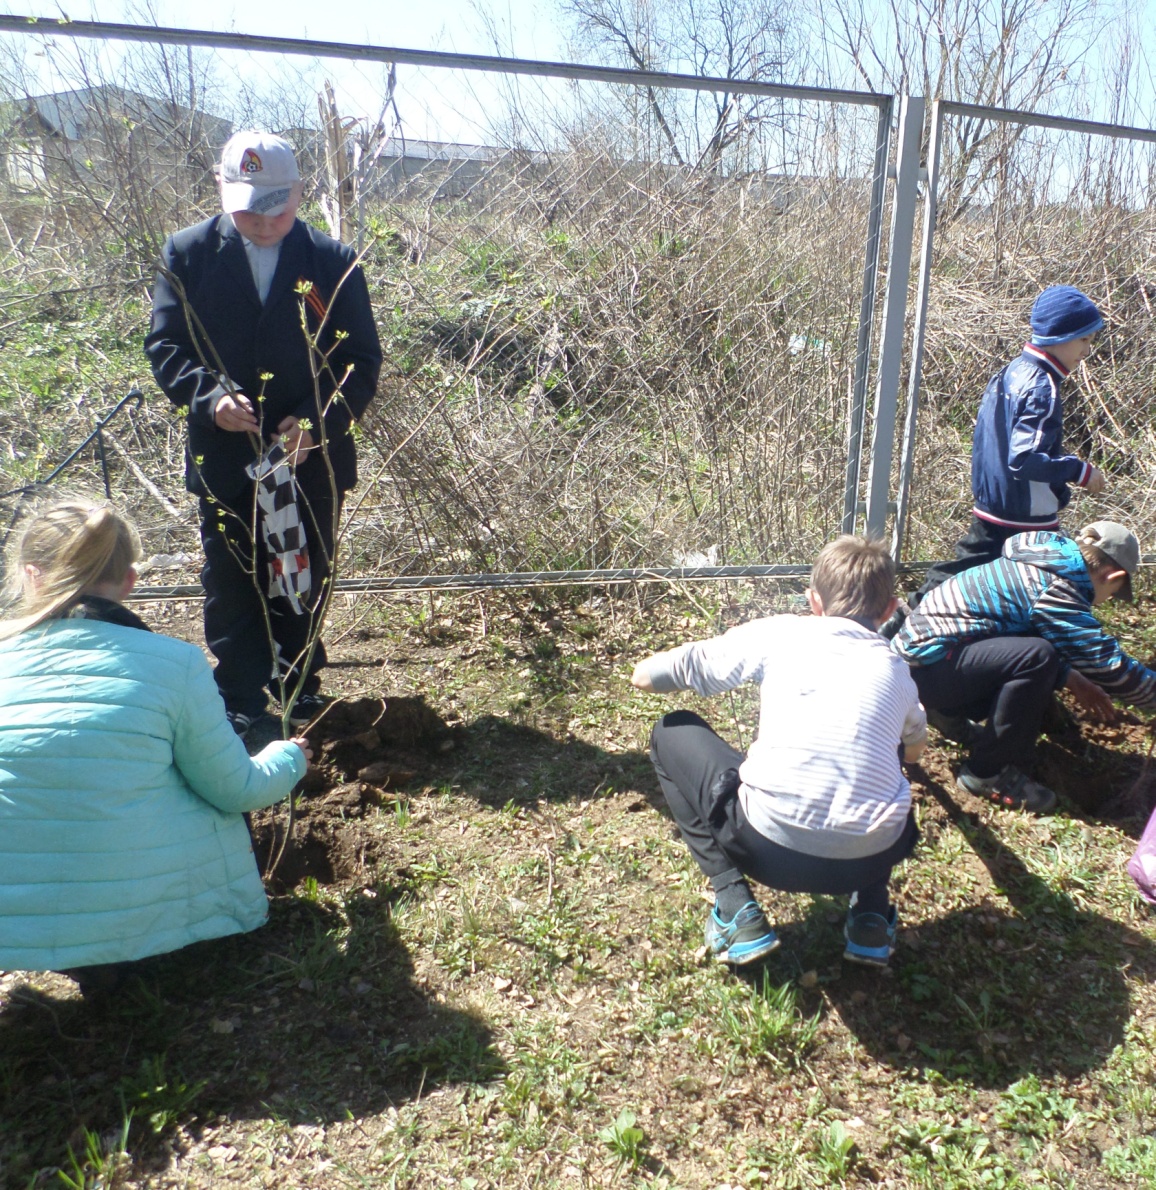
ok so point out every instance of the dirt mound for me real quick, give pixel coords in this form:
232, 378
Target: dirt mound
1104, 769
365, 751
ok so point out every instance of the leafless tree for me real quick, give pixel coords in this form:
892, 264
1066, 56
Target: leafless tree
749, 40
1003, 53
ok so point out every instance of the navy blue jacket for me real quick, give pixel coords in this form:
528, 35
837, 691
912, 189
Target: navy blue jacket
1019, 473
1040, 587
239, 339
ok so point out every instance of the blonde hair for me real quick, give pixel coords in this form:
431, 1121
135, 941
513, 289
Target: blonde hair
72, 546
854, 576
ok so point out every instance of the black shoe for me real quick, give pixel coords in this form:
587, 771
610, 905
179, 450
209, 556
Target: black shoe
1009, 788
307, 708
243, 723
240, 722
958, 728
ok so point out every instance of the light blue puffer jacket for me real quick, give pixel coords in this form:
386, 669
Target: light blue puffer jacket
121, 791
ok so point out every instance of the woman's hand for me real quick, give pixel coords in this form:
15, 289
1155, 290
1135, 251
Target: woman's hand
305, 747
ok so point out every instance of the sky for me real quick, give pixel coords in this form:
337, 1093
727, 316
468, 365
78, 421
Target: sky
469, 107
453, 25
434, 104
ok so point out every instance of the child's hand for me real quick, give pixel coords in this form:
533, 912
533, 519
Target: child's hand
297, 441
1096, 482
641, 676
1091, 697
235, 413
303, 744
912, 752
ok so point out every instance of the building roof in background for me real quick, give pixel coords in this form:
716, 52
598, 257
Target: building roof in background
70, 113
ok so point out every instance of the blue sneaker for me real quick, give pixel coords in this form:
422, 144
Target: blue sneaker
870, 937
744, 939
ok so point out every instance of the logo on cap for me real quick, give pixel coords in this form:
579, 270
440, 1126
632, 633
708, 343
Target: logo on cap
250, 162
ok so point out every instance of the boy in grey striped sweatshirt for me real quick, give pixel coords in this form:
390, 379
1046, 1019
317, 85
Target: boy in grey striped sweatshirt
820, 803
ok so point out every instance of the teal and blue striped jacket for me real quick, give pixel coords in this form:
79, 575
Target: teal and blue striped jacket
1040, 587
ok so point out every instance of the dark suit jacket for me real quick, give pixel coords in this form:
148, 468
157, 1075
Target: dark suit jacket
239, 340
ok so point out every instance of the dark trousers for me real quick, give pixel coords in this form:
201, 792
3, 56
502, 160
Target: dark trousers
982, 543
236, 597
1007, 680
689, 757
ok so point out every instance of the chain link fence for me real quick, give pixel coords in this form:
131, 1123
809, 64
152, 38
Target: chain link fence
626, 325
1045, 202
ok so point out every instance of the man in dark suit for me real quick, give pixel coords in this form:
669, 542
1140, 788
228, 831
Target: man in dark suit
228, 346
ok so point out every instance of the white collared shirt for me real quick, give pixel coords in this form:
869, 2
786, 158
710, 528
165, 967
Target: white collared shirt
262, 264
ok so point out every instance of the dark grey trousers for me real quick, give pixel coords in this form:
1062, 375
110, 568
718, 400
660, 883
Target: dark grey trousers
689, 757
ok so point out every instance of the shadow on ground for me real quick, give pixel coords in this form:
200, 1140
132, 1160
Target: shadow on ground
504, 762
1028, 984
315, 1018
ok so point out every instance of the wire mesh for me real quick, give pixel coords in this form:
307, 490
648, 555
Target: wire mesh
1022, 207
619, 322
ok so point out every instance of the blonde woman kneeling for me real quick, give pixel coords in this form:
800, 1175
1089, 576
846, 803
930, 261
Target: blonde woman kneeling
122, 785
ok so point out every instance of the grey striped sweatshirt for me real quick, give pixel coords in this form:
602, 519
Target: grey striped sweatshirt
823, 775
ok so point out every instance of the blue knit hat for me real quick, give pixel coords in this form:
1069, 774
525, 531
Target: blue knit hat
1061, 313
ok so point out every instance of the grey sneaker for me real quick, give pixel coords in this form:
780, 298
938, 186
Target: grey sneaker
746, 938
870, 937
1009, 788
954, 727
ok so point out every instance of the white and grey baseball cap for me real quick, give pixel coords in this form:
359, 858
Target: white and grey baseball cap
1120, 544
257, 173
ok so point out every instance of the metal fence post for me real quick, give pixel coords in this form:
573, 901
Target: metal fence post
866, 315
894, 312
919, 334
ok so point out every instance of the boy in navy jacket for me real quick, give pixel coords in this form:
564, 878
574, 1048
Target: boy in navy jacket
1020, 475
227, 345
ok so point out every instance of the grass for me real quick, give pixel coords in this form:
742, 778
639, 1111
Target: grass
508, 987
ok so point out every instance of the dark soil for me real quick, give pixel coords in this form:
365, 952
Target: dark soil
365, 751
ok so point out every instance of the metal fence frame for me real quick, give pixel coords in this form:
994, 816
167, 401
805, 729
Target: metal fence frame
940, 110
911, 120
878, 505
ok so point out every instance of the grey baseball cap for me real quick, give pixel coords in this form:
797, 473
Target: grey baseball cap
1120, 544
257, 173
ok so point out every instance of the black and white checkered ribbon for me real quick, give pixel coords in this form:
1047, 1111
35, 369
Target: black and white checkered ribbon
282, 529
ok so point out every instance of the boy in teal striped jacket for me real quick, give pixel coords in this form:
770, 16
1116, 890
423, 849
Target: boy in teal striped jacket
994, 642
